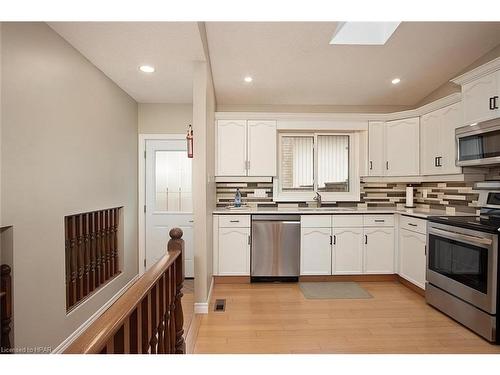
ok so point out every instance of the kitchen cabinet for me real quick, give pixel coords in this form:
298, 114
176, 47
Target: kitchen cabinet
481, 98
246, 148
438, 147
402, 147
231, 148
316, 251
261, 148
379, 250
347, 256
376, 148
412, 262
234, 251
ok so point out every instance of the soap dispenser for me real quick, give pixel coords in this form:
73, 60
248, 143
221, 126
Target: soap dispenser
237, 198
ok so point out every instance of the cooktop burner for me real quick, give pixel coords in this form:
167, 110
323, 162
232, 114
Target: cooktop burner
490, 224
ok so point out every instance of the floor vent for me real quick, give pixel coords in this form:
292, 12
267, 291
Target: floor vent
220, 305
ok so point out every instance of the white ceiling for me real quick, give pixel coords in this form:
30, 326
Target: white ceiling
119, 48
294, 64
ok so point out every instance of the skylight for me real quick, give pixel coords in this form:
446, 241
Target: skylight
364, 33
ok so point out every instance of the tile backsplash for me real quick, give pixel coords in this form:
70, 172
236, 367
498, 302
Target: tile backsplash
427, 195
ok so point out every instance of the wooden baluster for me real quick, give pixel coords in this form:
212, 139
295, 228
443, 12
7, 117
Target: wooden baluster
73, 256
139, 328
119, 341
126, 336
146, 323
153, 340
80, 255
5, 305
67, 260
86, 262
112, 241
161, 315
172, 310
168, 326
110, 346
92, 254
115, 239
106, 243
103, 249
177, 243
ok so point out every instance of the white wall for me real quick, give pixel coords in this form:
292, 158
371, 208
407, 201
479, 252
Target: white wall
203, 177
69, 145
162, 118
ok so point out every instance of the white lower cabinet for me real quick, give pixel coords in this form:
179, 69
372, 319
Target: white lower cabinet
379, 250
234, 251
412, 257
347, 255
315, 251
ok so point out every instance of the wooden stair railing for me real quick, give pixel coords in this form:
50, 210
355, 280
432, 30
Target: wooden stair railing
5, 307
148, 317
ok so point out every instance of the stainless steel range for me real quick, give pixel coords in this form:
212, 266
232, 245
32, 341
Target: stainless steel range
463, 265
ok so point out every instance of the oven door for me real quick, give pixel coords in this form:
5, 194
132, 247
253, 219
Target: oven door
464, 263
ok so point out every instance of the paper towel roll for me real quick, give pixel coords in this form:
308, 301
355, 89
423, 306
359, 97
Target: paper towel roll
409, 196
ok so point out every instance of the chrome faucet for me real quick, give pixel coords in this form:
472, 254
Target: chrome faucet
317, 198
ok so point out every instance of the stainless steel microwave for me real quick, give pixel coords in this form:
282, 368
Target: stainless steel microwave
478, 144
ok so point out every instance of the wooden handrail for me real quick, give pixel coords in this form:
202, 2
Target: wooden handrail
5, 307
148, 317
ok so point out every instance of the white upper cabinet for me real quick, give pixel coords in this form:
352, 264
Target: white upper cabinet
438, 149
481, 98
231, 148
246, 148
376, 148
261, 148
402, 147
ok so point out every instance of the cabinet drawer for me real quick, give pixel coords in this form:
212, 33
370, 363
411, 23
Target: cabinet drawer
347, 221
413, 224
316, 221
234, 221
378, 220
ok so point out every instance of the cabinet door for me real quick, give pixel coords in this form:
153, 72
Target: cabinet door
347, 256
430, 147
231, 148
379, 250
234, 251
476, 98
376, 159
450, 119
412, 260
315, 251
262, 148
402, 147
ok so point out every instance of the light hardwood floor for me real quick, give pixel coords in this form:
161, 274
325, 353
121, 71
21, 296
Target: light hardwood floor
276, 318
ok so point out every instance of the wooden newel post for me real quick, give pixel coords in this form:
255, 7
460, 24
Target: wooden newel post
177, 243
5, 306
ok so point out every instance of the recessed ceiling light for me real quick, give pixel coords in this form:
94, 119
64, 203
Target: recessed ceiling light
395, 81
147, 68
248, 79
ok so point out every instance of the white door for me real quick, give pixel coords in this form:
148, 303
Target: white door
379, 250
316, 251
168, 199
347, 258
402, 147
430, 125
412, 257
476, 96
262, 148
231, 148
234, 251
451, 118
376, 145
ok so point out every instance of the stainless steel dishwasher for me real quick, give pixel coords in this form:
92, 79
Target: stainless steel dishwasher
275, 251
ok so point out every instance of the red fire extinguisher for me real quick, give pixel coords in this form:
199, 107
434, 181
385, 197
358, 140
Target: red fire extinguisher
189, 139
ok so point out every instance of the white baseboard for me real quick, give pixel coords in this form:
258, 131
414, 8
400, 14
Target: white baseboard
202, 307
69, 340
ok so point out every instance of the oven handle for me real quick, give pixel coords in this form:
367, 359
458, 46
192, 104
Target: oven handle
459, 236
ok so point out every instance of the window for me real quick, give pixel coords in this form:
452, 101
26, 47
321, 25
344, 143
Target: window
317, 162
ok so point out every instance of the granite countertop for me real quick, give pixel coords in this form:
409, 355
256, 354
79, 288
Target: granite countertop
415, 212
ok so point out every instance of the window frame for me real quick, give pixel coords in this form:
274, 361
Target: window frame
328, 197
